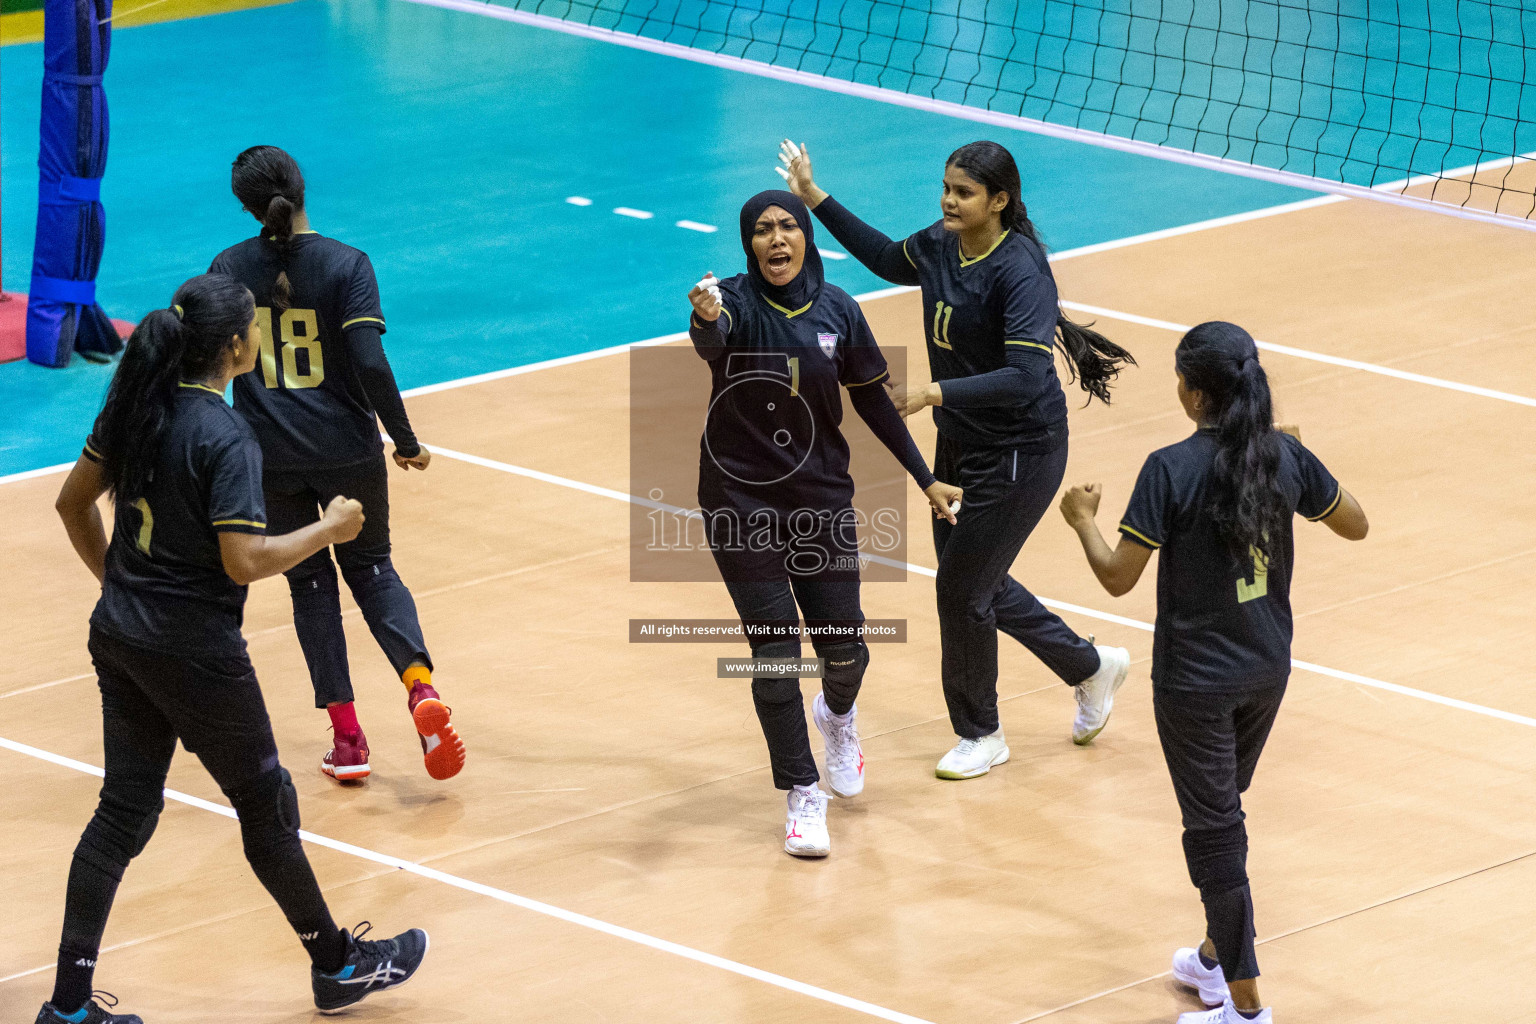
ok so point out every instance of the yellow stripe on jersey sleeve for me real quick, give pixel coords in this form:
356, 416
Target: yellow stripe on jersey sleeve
1337, 495
1140, 536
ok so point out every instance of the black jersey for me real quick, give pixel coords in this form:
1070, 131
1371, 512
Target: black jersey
1221, 627
304, 399
165, 587
773, 435
974, 311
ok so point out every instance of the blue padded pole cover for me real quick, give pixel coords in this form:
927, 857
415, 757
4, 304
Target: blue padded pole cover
62, 314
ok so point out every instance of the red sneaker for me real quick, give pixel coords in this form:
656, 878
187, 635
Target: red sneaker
347, 760
441, 748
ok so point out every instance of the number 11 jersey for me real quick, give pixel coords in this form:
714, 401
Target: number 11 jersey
304, 400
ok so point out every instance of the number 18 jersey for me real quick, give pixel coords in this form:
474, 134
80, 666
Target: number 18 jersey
304, 400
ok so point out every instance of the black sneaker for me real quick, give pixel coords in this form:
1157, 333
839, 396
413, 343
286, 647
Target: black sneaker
370, 966
91, 1013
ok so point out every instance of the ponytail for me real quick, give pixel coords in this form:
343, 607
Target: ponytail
1246, 503
184, 342
269, 184
1094, 360
279, 221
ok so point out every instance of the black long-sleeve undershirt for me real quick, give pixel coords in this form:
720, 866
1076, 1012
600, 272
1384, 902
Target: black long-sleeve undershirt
1016, 385
868, 245
366, 347
708, 339
874, 406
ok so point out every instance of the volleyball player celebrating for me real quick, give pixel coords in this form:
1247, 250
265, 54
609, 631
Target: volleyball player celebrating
312, 402
1218, 506
992, 320
775, 489
189, 534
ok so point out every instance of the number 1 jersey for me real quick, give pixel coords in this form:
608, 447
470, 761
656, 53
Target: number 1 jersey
304, 400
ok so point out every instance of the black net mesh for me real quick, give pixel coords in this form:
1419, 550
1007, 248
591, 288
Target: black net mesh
1370, 93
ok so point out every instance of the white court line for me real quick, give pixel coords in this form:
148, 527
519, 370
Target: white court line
503, 896
629, 211
693, 225
1317, 357
1061, 606
1387, 192
45, 686
880, 293
883, 293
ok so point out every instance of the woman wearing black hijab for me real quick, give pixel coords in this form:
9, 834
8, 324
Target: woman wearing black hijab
775, 490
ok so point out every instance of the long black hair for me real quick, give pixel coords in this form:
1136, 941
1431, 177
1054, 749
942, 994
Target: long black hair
1095, 361
1221, 361
270, 186
184, 342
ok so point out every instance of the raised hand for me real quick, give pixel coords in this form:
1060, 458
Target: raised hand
796, 172
705, 297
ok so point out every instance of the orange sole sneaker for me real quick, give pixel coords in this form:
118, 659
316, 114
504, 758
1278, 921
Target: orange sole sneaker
441, 748
345, 772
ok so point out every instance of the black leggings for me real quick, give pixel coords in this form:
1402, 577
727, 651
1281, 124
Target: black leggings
1212, 743
213, 705
766, 590
294, 500
1006, 493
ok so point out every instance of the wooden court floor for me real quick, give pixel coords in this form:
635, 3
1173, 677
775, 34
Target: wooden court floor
1393, 838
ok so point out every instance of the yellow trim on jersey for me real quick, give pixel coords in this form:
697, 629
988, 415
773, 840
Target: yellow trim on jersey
200, 387
239, 522
728, 316
966, 261
1338, 495
873, 380
273, 238
907, 254
1031, 344
1140, 536
787, 312
362, 319
92, 451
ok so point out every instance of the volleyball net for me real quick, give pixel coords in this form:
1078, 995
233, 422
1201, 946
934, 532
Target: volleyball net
1428, 102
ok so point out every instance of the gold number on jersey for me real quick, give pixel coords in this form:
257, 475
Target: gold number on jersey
941, 318
300, 329
146, 525
794, 375
268, 347
1260, 586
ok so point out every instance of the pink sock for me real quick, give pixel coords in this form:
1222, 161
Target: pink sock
344, 719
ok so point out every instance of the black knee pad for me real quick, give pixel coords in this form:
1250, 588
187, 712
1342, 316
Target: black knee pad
315, 577
770, 690
843, 667
287, 803
1217, 857
365, 576
124, 821
268, 809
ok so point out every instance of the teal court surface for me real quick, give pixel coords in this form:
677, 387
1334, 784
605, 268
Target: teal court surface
446, 146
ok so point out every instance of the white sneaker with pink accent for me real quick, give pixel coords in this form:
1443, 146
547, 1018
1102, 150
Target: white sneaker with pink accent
1226, 1013
805, 830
